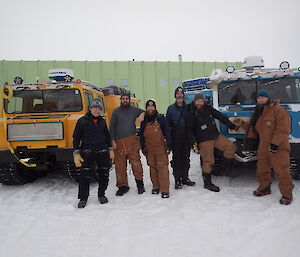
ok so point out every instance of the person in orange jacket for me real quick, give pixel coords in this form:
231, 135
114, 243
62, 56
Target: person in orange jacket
268, 133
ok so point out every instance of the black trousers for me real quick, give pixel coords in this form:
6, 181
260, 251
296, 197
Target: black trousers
181, 159
96, 165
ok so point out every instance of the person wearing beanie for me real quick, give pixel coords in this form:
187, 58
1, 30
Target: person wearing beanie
199, 96
263, 93
203, 131
150, 103
126, 144
178, 90
181, 148
268, 134
155, 140
93, 152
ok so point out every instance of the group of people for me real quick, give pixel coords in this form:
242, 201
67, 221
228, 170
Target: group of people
96, 147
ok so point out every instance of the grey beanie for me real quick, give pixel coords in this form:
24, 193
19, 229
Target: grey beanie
198, 96
96, 103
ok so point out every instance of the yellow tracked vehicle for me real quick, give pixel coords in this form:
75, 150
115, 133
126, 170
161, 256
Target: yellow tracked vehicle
36, 126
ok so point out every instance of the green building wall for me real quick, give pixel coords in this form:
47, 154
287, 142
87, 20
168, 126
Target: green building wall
155, 80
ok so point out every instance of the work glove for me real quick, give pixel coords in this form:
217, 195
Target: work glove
239, 123
111, 156
273, 149
195, 148
78, 160
237, 128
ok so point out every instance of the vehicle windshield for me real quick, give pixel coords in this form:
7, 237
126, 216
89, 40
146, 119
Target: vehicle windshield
285, 89
245, 91
237, 92
44, 101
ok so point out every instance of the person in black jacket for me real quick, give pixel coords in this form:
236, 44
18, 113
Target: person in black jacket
202, 130
181, 147
92, 152
155, 140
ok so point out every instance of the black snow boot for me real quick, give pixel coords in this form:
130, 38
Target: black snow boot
178, 184
265, 191
227, 168
188, 182
155, 191
122, 190
165, 195
208, 184
286, 200
82, 204
140, 186
103, 199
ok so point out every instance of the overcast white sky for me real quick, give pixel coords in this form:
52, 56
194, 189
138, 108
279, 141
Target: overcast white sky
211, 30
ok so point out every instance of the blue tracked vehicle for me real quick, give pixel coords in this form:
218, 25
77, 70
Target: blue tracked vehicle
234, 94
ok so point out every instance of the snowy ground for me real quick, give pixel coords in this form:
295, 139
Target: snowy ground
41, 219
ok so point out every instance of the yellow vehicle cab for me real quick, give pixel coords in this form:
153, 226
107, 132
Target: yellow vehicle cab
36, 127
112, 96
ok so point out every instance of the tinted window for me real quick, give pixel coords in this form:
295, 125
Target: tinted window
88, 98
285, 89
56, 100
233, 92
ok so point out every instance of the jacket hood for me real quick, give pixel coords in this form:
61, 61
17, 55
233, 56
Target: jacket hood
274, 102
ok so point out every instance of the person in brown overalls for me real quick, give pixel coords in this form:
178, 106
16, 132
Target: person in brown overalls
155, 141
126, 144
270, 123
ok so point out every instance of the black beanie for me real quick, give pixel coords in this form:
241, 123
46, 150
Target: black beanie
198, 96
125, 94
178, 89
150, 103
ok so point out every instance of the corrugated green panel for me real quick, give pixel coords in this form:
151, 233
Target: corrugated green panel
222, 65
2, 76
237, 65
122, 74
156, 80
94, 73
150, 82
136, 80
62, 64
12, 69
174, 79
209, 67
79, 69
163, 82
30, 70
186, 70
109, 73
198, 69
45, 67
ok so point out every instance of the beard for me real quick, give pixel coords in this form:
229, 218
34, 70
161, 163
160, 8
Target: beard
151, 115
179, 98
125, 105
199, 107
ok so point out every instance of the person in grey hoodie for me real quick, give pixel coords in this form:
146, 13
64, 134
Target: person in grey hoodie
126, 144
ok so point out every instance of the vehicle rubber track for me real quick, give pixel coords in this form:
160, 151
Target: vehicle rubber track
295, 168
10, 174
71, 170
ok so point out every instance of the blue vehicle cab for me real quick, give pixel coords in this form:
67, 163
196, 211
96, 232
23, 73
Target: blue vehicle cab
234, 94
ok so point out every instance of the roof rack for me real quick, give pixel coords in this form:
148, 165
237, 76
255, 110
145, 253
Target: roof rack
115, 90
